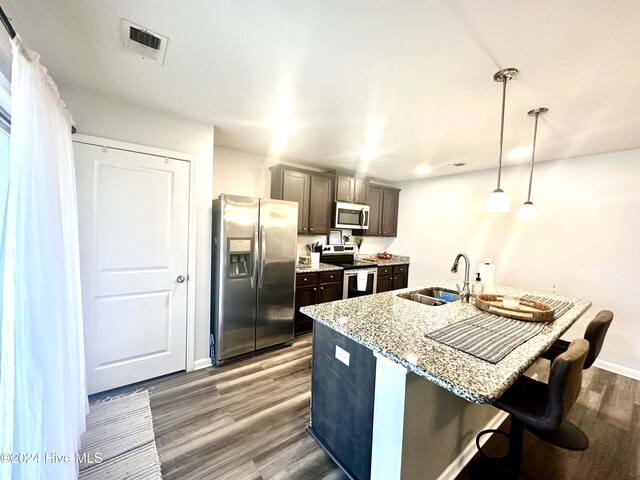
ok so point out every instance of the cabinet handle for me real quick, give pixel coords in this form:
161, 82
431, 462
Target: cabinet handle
311, 229
321, 288
384, 232
306, 279
314, 289
304, 228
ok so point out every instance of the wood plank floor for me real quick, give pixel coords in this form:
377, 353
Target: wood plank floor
247, 420
241, 421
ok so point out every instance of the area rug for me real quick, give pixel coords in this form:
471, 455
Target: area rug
119, 442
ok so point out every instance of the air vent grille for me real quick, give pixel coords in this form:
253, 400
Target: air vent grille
144, 38
143, 42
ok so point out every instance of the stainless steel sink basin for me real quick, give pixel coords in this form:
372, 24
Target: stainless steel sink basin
432, 296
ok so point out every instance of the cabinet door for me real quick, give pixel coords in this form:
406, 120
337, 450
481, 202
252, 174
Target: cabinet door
295, 188
320, 205
390, 213
305, 295
344, 188
375, 212
360, 188
330, 292
384, 284
399, 281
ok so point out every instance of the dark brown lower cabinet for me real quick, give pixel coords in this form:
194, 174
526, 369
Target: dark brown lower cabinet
313, 288
330, 292
392, 277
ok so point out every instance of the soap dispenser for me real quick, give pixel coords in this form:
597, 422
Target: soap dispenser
477, 287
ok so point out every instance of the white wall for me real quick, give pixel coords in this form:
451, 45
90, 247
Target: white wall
585, 243
114, 119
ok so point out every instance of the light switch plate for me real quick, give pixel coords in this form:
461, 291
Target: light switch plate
342, 355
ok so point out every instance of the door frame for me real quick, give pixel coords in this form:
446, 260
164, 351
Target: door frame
191, 242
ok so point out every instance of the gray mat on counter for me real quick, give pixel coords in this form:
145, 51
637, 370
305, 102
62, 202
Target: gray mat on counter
559, 306
486, 336
492, 337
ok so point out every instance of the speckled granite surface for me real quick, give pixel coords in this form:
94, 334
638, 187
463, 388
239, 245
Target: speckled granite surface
371, 257
321, 267
395, 327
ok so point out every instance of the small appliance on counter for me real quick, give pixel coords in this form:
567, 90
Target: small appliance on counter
252, 275
359, 278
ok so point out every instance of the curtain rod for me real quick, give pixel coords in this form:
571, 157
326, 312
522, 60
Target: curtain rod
7, 24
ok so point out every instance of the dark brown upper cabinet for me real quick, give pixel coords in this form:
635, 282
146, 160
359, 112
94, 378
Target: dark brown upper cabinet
313, 192
383, 212
351, 189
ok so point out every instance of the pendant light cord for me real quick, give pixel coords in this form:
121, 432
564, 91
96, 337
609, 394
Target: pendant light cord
504, 97
533, 154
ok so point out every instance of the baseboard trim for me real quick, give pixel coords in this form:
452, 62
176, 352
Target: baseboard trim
461, 461
202, 363
619, 369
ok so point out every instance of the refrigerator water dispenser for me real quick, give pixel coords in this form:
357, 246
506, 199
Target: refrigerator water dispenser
239, 259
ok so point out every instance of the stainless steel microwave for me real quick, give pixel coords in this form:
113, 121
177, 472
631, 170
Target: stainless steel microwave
351, 215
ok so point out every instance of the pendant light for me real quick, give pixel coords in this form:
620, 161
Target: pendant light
498, 202
528, 210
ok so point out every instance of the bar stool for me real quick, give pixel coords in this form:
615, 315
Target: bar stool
532, 403
568, 435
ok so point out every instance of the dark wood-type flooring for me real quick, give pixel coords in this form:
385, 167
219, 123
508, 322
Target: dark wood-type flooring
247, 420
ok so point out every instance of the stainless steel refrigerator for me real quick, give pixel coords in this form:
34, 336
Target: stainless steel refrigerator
252, 275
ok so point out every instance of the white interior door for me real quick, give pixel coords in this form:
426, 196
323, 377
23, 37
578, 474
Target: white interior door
133, 216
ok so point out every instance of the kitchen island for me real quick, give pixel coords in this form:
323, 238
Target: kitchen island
372, 409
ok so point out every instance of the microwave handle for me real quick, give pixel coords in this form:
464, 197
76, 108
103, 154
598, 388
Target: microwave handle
361, 218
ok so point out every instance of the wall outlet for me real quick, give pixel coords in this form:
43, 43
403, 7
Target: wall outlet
342, 355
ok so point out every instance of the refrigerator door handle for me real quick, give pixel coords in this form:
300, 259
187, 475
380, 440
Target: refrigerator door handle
254, 274
263, 254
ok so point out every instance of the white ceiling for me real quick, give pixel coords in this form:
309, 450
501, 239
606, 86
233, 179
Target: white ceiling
381, 86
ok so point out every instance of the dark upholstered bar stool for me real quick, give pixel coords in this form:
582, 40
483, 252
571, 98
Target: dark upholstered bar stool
538, 404
568, 435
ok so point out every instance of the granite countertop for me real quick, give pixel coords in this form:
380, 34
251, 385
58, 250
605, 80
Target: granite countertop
321, 267
396, 327
371, 257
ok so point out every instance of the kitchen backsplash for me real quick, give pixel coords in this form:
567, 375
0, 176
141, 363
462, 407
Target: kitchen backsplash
369, 244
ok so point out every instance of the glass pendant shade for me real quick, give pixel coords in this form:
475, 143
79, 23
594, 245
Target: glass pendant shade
527, 212
498, 202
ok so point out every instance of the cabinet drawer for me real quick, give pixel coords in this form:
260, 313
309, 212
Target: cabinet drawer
400, 269
330, 277
384, 270
306, 278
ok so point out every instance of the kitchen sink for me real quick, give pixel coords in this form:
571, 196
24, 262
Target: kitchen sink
432, 296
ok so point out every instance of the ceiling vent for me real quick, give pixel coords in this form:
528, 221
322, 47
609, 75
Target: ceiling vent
143, 42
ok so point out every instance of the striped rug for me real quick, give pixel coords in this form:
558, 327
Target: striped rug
491, 337
119, 442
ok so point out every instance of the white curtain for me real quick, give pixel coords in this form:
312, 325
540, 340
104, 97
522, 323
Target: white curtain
43, 398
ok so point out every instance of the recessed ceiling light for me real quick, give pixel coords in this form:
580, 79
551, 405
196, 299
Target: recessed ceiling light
422, 170
519, 153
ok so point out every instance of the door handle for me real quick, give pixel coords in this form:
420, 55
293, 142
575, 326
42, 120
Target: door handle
263, 248
254, 275
180, 279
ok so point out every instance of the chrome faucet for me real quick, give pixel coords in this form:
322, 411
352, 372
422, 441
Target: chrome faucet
465, 292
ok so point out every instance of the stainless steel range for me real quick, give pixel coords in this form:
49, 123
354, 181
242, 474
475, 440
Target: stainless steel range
359, 278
